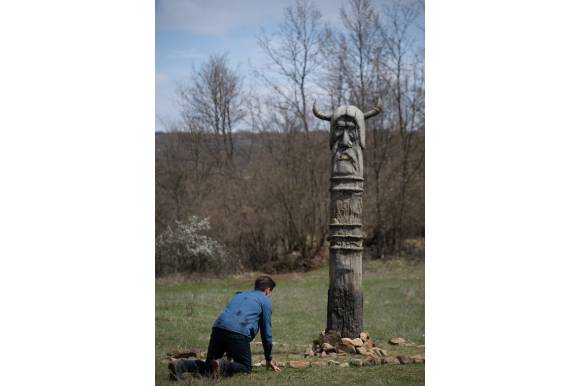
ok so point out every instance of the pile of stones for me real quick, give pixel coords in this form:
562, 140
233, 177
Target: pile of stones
330, 349
331, 342
337, 351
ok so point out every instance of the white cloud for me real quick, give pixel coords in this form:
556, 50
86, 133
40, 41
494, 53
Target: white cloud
215, 17
218, 17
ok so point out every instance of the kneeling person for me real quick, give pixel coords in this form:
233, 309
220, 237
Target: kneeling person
232, 332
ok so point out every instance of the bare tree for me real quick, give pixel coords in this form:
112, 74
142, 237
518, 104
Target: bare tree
295, 52
362, 32
406, 93
170, 181
337, 68
213, 102
183, 166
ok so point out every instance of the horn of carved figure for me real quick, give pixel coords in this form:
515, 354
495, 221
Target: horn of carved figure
318, 114
375, 110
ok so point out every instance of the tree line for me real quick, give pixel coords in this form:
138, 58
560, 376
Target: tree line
255, 162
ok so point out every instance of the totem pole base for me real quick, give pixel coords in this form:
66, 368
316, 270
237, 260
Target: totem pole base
344, 312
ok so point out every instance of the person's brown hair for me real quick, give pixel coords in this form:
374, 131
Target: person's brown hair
262, 283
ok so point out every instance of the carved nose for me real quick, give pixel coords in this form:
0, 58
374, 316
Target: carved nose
345, 140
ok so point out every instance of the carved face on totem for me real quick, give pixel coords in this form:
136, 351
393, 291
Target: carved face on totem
346, 148
347, 138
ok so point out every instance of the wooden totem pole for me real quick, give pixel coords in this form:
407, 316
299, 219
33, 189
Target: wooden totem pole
344, 312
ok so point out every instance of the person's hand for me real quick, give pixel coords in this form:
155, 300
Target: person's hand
272, 365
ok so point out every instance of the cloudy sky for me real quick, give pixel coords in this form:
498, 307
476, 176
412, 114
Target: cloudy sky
187, 32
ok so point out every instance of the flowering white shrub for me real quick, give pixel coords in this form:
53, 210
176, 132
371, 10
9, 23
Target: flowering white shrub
183, 248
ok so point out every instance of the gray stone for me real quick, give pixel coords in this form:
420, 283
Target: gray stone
369, 344
344, 349
357, 342
347, 342
328, 347
404, 359
397, 340
362, 351
418, 358
391, 360
298, 364
380, 351
371, 361
356, 362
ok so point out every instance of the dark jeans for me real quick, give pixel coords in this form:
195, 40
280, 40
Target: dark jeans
236, 346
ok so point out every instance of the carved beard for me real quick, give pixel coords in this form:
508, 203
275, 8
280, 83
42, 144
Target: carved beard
346, 162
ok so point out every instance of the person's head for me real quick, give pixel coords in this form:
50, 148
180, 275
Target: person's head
265, 284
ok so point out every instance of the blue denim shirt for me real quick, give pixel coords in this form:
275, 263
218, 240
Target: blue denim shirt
246, 313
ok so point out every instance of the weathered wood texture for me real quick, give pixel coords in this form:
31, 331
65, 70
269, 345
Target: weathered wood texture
345, 297
347, 140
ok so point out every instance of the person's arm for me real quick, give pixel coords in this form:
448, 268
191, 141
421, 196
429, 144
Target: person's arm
266, 333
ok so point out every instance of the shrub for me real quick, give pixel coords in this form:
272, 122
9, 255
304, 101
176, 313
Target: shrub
184, 248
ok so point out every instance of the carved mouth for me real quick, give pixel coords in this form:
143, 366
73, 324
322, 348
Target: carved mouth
345, 156
346, 161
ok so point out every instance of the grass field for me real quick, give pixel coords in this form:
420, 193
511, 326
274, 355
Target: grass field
393, 306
